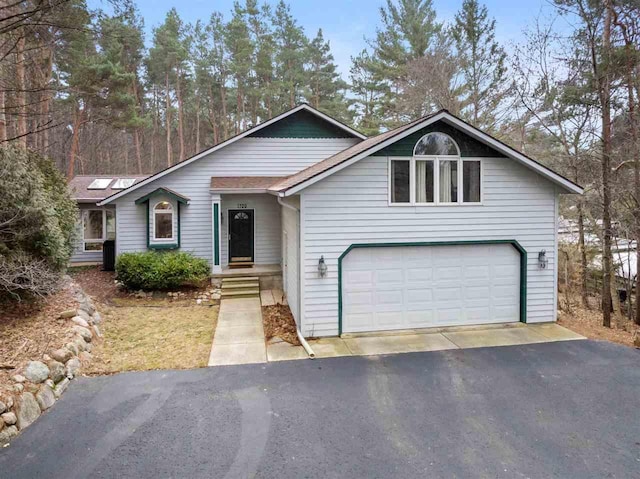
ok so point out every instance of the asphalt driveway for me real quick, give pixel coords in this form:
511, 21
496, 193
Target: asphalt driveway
569, 409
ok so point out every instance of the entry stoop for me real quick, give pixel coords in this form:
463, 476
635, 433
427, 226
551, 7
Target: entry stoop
240, 287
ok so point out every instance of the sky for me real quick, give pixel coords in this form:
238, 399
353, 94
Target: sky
346, 23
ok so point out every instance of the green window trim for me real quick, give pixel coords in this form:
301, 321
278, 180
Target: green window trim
512, 242
216, 234
162, 246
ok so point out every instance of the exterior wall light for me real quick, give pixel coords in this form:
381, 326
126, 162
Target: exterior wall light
543, 261
322, 267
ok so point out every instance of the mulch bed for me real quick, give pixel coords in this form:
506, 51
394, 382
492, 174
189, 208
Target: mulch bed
589, 324
98, 284
278, 322
30, 329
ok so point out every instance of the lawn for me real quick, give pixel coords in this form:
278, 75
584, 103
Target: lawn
147, 337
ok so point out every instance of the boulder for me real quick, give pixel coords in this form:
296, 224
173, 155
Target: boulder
36, 372
3, 407
18, 387
73, 348
87, 306
19, 378
9, 418
96, 331
84, 332
61, 355
72, 367
28, 410
84, 315
97, 318
69, 313
50, 383
60, 387
84, 357
7, 434
56, 371
80, 321
89, 347
80, 343
45, 397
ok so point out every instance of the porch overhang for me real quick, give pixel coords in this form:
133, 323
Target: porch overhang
243, 184
164, 191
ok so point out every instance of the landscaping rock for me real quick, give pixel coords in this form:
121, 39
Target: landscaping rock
7, 434
3, 407
84, 357
60, 387
56, 371
87, 306
19, 378
9, 418
84, 332
73, 348
89, 347
28, 410
36, 372
50, 383
80, 343
70, 313
18, 387
84, 315
96, 331
61, 355
80, 321
96, 318
45, 397
72, 367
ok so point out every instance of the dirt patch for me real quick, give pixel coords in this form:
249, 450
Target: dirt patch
145, 337
589, 324
278, 322
100, 285
28, 330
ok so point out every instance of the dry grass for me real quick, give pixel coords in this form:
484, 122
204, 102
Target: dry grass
278, 322
589, 324
143, 338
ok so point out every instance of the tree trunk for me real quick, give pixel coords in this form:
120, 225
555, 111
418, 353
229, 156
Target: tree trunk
584, 292
212, 118
73, 151
197, 123
3, 118
21, 93
605, 102
168, 118
154, 132
223, 101
180, 116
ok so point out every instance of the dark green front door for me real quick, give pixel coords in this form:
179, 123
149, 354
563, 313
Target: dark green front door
240, 236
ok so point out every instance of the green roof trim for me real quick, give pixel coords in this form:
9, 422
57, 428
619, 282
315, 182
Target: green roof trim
469, 146
302, 124
164, 191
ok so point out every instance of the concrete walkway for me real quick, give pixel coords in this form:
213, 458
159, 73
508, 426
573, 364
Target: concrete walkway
425, 340
239, 336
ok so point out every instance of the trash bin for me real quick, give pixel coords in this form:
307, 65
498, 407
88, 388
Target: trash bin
109, 255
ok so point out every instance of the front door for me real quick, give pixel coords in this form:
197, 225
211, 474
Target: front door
240, 236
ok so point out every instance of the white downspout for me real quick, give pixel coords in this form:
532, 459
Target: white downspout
303, 341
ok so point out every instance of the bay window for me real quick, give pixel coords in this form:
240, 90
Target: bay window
435, 175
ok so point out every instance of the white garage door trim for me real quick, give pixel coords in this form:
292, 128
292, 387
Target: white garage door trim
514, 243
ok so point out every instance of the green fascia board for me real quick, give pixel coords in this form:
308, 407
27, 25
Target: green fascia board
302, 124
512, 242
469, 146
163, 191
163, 246
216, 235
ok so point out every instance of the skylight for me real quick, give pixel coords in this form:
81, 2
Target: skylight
122, 183
99, 184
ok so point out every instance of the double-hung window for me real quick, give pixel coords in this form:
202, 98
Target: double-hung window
97, 226
435, 175
163, 221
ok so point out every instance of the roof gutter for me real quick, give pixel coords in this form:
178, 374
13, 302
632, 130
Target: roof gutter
303, 341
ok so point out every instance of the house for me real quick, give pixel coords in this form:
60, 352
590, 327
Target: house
434, 223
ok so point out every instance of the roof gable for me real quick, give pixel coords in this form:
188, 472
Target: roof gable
302, 124
469, 146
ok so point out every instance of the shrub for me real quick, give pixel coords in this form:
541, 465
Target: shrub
37, 223
157, 271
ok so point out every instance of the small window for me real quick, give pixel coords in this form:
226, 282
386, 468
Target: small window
436, 144
99, 184
97, 226
93, 225
400, 186
424, 181
471, 181
448, 181
163, 221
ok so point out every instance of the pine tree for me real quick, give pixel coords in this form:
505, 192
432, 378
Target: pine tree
262, 91
369, 93
482, 62
326, 90
291, 43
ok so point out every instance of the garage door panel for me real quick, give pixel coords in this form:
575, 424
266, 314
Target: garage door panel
387, 288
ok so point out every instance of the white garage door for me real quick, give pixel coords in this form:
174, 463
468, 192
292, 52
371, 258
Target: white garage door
386, 288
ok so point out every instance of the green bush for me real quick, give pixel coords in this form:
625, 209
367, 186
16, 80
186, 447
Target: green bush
160, 270
37, 223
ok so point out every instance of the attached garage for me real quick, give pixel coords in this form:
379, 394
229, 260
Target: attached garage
395, 287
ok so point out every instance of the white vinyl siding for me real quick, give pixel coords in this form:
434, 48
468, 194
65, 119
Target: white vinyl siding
351, 206
290, 252
246, 157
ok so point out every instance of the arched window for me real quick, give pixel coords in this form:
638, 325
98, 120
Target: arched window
163, 221
436, 144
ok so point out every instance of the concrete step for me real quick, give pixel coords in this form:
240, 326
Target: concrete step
239, 279
241, 264
243, 293
241, 285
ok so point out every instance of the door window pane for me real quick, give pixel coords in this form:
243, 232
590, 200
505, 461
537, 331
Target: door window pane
448, 181
400, 181
92, 224
471, 181
424, 181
